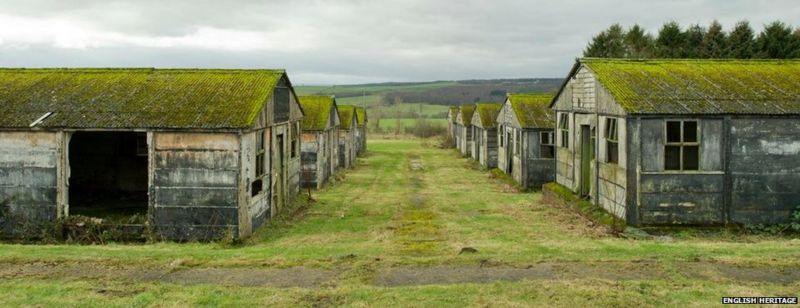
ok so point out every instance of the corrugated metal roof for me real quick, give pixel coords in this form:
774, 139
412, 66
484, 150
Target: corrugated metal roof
701, 86
135, 97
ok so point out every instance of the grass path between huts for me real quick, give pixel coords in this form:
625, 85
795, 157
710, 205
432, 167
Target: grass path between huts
411, 225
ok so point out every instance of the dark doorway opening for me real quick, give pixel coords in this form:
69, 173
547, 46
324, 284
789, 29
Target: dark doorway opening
108, 175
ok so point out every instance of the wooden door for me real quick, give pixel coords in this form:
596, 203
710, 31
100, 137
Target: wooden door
586, 159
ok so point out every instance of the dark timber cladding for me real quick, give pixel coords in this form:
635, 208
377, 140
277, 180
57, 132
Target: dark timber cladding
682, 141
320, 140
201, 153
525, 139
484, 126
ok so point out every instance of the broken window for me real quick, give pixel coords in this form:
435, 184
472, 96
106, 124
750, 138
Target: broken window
563, 125
682, 147
294, 131
548, 149
260, 163
612, 143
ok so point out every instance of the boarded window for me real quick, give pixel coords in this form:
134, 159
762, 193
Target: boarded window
612, 143
548, 148
281, 103
682, 147
563, 125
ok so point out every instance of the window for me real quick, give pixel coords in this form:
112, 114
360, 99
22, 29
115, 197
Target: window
518, 143
257, 186
500, 131
563, 125
281, 102
294, 130
548, 149
682, 147
612, 143
260, 154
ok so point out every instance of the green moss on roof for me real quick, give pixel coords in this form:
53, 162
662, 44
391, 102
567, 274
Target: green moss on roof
453, 114
488, 114
317, 109
346, 113
466, 114
134, 97
701, 86
532, 110
361, 116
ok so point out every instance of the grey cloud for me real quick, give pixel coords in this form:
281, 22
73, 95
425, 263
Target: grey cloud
361, 41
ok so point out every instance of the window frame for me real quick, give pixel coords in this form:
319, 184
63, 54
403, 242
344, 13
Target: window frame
260, 163
563, 128
611, 136
517, 142
551, 144
682, 144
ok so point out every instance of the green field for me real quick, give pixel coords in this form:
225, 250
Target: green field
411, 225
392, 123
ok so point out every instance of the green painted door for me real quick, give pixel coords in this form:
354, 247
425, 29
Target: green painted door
586, 159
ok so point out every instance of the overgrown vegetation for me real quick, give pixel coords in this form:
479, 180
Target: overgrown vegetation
777, 40
365, 227
790, 228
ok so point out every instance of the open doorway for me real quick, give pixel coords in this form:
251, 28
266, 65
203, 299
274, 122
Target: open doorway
108, 175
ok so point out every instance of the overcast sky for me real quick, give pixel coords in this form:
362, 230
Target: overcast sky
327, 42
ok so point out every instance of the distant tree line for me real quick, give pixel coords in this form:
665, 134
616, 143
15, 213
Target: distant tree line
776, 41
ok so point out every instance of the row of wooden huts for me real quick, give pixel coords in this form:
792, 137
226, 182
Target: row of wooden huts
656, 142
333, 136
200, 153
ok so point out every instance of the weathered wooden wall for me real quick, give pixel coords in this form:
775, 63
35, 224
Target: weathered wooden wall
29, 168
538, 170
195, 181
487, 147
764, 169
315, 159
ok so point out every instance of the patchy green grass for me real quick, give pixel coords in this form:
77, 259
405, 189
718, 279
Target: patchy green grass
409, 204
392, 123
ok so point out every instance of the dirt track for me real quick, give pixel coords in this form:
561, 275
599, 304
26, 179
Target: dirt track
304, 277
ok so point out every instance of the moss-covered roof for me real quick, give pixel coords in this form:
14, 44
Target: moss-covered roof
317, 110
487, 112
453, 114
134, 97
701, 86
466, 114
532, 110
361, 116
346, 113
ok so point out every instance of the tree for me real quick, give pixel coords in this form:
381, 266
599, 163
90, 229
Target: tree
796, 39
693, 40
740, 41
715, 42
670, 41
638, 43
775, 41
607, 44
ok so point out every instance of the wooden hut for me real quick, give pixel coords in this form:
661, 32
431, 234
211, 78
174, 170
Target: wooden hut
361, 130
200, 153
484, 130
464, 129
525, 139
347, 136
320, 140
452, 114
682, 141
